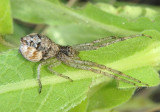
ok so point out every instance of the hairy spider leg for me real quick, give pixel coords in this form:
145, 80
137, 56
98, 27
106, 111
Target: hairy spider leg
52, 63
92, 46
78, 66
122, 39
96, 41
39, 70
93, 64
50, 68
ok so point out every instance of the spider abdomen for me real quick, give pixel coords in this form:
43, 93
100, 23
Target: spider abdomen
30, 53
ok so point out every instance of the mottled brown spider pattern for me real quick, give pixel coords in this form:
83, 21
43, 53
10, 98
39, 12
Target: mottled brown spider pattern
35, 48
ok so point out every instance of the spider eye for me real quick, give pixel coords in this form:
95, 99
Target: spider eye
23, 41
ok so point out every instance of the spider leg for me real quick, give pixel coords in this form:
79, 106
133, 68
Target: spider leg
56, 73
96, 41
102, 43
122, 39
93, 64
90, 46
83, 67
39, 70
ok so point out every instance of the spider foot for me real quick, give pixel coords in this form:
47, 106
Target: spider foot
40, 86
147, 36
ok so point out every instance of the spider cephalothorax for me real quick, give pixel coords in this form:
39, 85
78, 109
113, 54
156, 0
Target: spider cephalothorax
35, 48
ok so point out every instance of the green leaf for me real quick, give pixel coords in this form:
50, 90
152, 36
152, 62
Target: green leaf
138, 103
77, 33
18, 80
56, 13
19, 31
108, 96
81, 107
135, 57
4, 46
127, 49
115, 23
127, 11
5, 18
45, 12
18, 76
102, 96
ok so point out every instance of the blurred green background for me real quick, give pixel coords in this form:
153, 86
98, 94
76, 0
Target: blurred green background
71, 22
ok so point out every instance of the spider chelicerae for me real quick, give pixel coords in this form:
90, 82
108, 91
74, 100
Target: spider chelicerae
35, 47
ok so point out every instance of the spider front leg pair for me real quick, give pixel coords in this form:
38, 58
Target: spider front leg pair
103, 42
104, 70
51, 63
